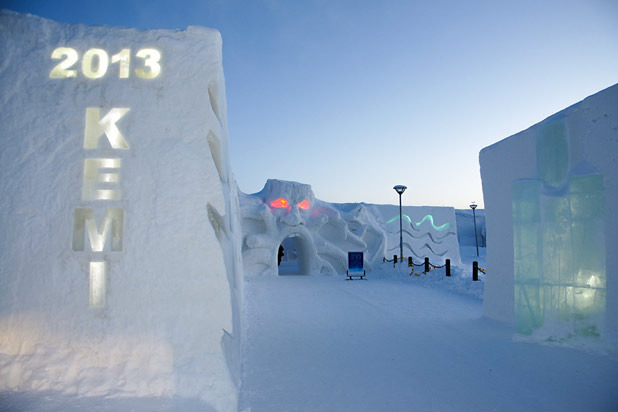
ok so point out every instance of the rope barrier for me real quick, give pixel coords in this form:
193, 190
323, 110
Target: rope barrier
431, 266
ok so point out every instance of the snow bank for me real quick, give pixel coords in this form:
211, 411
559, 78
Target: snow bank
551, 205
120, 275
319, 235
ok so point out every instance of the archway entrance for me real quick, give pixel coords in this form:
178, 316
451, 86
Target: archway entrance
294, 260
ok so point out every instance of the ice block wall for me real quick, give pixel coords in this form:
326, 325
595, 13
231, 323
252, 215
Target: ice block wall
119, 225
551, 211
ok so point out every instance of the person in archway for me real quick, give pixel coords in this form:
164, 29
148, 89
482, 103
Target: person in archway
280, 255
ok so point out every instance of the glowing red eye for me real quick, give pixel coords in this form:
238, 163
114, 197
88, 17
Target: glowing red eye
279, 203
304, 205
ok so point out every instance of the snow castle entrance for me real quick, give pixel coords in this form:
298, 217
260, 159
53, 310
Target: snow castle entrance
295, 258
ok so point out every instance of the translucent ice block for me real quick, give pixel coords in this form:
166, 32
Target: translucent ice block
527, 254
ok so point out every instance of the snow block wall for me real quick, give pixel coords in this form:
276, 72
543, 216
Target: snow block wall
119, 241
320, 234
428, 231
551, 206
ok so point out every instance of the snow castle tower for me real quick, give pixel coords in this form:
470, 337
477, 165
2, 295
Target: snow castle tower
120, 233
551, 204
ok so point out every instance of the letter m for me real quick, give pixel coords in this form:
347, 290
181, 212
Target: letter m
85, 222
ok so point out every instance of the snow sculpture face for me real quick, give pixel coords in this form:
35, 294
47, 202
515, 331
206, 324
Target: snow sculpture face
289, 211
290, 203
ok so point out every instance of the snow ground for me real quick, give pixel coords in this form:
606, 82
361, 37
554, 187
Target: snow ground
317, 343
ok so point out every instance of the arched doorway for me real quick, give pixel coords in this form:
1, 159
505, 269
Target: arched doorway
295, 257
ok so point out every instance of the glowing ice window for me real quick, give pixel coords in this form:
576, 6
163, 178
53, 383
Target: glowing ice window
304, 204
558, 245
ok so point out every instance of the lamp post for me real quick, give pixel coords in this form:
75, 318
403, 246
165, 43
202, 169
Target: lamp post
473, 207
400, 189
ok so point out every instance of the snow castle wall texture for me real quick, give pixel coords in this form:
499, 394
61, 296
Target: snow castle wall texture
323, 233
551, 207
119, 241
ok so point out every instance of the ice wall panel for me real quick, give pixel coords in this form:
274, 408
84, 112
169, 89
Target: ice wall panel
527, 258
559, 267
564, 169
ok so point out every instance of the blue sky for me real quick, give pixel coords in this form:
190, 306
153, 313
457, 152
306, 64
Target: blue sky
354, 97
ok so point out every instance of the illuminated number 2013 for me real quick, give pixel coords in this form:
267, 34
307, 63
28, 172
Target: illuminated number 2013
95, 63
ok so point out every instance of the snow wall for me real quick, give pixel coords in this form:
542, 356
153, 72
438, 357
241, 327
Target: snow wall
551, 207
466, 226
121, 271
321, 234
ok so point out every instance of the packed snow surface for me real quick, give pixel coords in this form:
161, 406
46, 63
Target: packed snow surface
391, 343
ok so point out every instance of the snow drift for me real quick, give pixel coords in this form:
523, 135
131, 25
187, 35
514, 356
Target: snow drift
121, 274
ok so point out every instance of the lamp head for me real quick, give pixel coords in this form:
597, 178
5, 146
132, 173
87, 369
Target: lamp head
473, 206
400, 189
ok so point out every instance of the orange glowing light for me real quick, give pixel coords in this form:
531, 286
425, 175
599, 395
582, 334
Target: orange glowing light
279, 203
304, 205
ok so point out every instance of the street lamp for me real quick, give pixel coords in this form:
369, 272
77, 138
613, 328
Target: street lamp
473, 207
400, 189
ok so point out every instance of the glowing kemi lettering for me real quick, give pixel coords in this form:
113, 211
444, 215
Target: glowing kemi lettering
95, 127
92, 178
98, 275
101, 179
84, 221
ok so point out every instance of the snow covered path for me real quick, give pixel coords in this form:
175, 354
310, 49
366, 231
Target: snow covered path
316, 343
